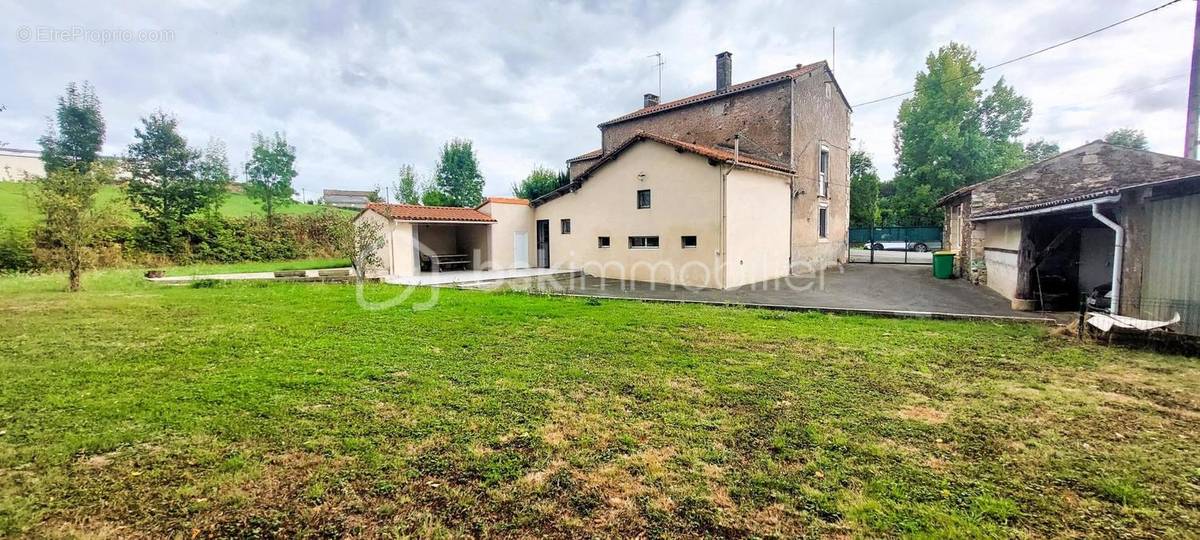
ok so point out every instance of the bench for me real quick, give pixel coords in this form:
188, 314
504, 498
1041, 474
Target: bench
438, 263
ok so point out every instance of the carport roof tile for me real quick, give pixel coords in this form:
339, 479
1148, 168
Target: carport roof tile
412, 212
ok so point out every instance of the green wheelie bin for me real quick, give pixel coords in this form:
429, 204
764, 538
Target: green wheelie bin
943, 264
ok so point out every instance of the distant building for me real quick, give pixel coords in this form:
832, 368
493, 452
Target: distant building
18, 165
344, 198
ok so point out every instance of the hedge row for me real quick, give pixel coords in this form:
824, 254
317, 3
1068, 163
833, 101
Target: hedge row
205, 237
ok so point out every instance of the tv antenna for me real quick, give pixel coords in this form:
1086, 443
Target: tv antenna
659, 65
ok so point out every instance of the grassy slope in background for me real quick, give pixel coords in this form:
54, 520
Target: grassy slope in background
17, 206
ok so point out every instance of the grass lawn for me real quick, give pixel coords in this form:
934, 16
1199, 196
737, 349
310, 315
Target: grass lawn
17, 206
262, 410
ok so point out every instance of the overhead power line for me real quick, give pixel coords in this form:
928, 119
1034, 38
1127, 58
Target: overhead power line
1034, 53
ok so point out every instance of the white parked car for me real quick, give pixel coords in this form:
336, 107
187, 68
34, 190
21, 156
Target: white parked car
901, 245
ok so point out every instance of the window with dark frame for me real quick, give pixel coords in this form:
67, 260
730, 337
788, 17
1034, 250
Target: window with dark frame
643, 242
603, 241
643, 199
688, 241
823, 174
566, 226
823, 222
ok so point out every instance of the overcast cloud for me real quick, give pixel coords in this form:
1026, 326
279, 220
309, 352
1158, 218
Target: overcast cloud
361, 89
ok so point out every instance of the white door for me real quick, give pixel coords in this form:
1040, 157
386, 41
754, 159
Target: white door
521, 249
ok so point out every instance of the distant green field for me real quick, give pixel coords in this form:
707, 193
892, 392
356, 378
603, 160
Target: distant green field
17, 208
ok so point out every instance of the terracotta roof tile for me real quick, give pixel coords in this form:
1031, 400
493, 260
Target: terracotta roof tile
412, 212
503, 200
588, 155
740, 87
714, 152
719, 154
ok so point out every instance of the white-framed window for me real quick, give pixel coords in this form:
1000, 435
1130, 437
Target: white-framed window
823, 222
643, 199
603, 242
565, 226
643, 242
823, 173
688, 241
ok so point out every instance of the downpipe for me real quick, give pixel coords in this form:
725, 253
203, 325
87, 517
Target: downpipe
1118, 256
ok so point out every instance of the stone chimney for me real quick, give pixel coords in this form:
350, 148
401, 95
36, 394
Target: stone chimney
724, 71
649, 100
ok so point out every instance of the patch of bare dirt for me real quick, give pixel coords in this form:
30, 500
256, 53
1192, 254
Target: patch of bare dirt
924, 414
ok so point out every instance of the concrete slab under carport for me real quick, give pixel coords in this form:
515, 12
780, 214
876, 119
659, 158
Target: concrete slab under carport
891, 290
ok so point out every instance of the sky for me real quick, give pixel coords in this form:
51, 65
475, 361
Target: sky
361, 88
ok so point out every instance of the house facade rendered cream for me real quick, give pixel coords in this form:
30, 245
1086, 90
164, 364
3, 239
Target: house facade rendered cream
746, 183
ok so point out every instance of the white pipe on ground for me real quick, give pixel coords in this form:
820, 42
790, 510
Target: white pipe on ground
1118, 257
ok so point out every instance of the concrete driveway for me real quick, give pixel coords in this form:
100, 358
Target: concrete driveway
890, 289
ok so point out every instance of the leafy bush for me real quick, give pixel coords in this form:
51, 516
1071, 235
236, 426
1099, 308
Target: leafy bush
204, 237
16, 250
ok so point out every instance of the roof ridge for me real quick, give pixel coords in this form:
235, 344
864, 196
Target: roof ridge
710, 152
788, 74
1013, 173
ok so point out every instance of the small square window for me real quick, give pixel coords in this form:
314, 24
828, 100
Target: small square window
643, 242
643, 198
688, 241
566, 226
823, 222
603, 242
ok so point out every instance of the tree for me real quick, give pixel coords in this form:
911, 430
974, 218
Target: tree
74, 141
66, 196
270, 171
458, 177
213, 171
1040, 149
432, 196
541, 180
361, 244
1129, 138
170, 181
864, 190
71, 222
408, 186
950, 133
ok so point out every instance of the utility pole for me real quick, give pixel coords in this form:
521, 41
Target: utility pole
833, 54
1193, 106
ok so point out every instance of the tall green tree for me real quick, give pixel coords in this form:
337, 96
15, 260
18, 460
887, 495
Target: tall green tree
951, 133
270, 171
408, 186
213, 170
74, 140
168, 183
1129, 138
864, 190
541, 180
66, 195
458, 178
1039, 150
